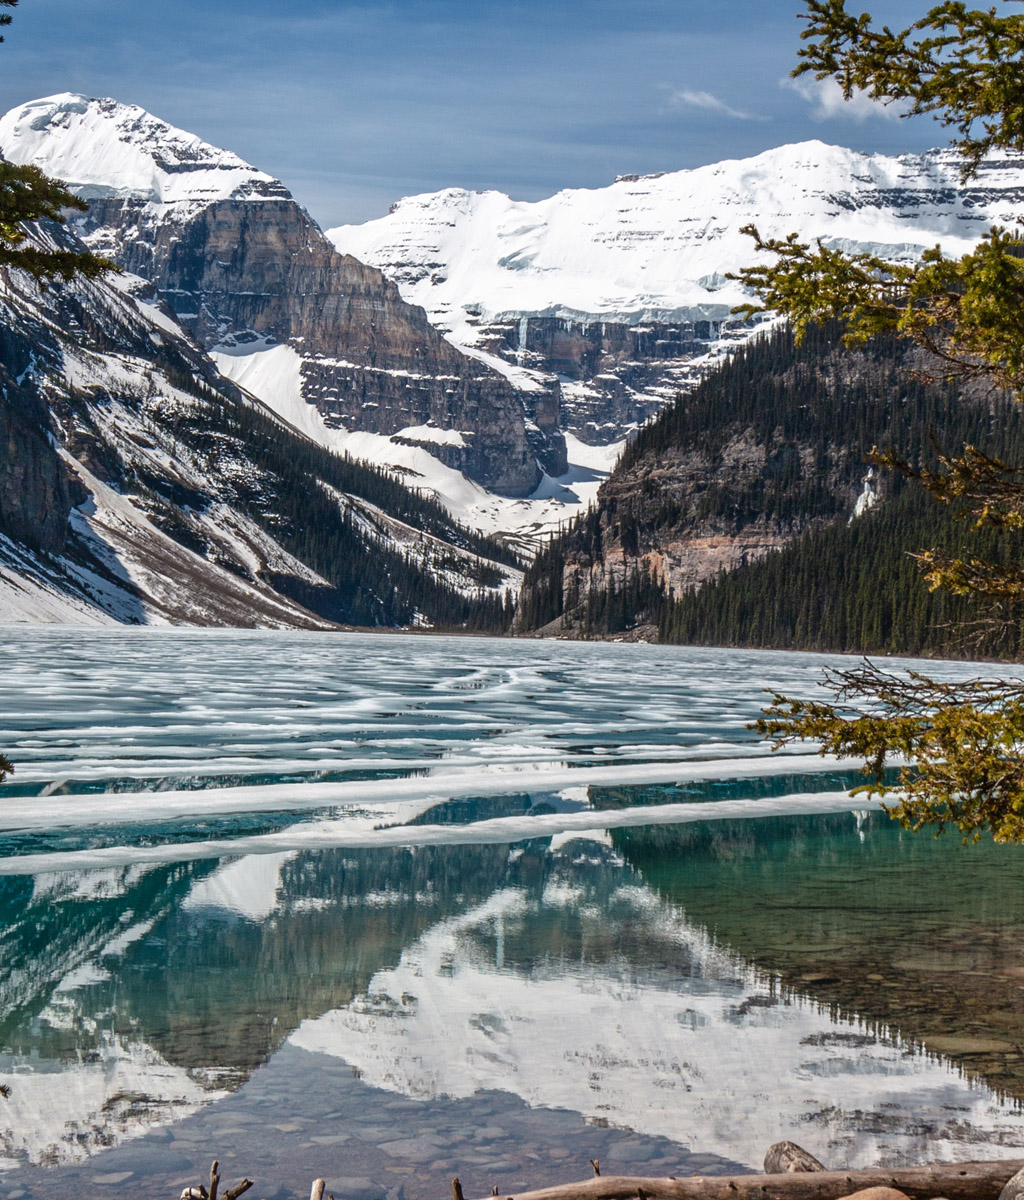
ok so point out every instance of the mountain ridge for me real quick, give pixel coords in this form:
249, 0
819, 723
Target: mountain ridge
622, 294
241, 263
671, 224
138, 485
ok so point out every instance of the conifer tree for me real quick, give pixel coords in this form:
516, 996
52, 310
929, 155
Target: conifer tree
964, 742
27, 196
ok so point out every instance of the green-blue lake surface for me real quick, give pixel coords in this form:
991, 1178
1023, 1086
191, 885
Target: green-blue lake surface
389, 908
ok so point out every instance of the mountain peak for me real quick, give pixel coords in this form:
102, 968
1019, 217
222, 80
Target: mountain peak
100, 147
661, 246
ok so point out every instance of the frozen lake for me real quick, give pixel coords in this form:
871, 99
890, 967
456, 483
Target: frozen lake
388, 908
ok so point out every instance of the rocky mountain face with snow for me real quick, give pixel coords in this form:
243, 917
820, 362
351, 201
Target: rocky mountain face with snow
463, 342
765, 452
619, 295
241, 265
35, 488
137, 484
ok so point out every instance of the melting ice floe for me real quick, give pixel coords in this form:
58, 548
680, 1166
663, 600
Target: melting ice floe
403, 723
51, 811
342, 833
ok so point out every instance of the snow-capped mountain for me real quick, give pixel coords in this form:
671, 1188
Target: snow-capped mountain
561, 324
137, 484
616, 288
245, 270
687, 1051
658, 247
106, 149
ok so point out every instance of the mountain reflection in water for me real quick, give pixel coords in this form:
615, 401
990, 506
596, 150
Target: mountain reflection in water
661, 979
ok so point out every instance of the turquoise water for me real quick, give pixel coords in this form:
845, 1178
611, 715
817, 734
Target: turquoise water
387, 908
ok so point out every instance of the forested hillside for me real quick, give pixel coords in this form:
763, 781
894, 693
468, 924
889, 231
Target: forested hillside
746, 514
307, 499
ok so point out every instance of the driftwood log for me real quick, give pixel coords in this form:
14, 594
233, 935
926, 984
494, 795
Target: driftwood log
954, 1181
1014, 1189
200, 1192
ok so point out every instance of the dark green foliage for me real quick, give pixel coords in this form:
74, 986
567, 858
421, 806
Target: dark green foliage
27, 195
817, 410
960, 64
542, 598
958, 743
634, 598
849, 586
814, 394
5, 18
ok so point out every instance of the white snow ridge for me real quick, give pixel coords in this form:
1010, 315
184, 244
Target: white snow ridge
102, 148
659, 247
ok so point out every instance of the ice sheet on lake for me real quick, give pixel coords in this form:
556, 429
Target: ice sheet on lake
151, 726
172, 704
362, 833
365, 735
391, 796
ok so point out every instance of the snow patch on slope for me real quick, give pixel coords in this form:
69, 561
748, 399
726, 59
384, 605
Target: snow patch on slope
29, 594
273, 374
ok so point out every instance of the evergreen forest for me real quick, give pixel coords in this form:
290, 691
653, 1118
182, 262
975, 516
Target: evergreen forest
810, 415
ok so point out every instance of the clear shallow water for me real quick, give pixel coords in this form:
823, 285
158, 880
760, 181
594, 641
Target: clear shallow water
500, 946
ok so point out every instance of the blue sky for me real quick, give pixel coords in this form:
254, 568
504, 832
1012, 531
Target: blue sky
354, 105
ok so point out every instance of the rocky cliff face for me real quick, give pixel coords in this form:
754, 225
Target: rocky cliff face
620, 292
240, 263
35, 486
692, 511
681, 515
611, 377
139, 485
242, 273
771, 444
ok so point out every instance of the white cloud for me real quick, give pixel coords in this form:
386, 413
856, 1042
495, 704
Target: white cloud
691, 98
828, 102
